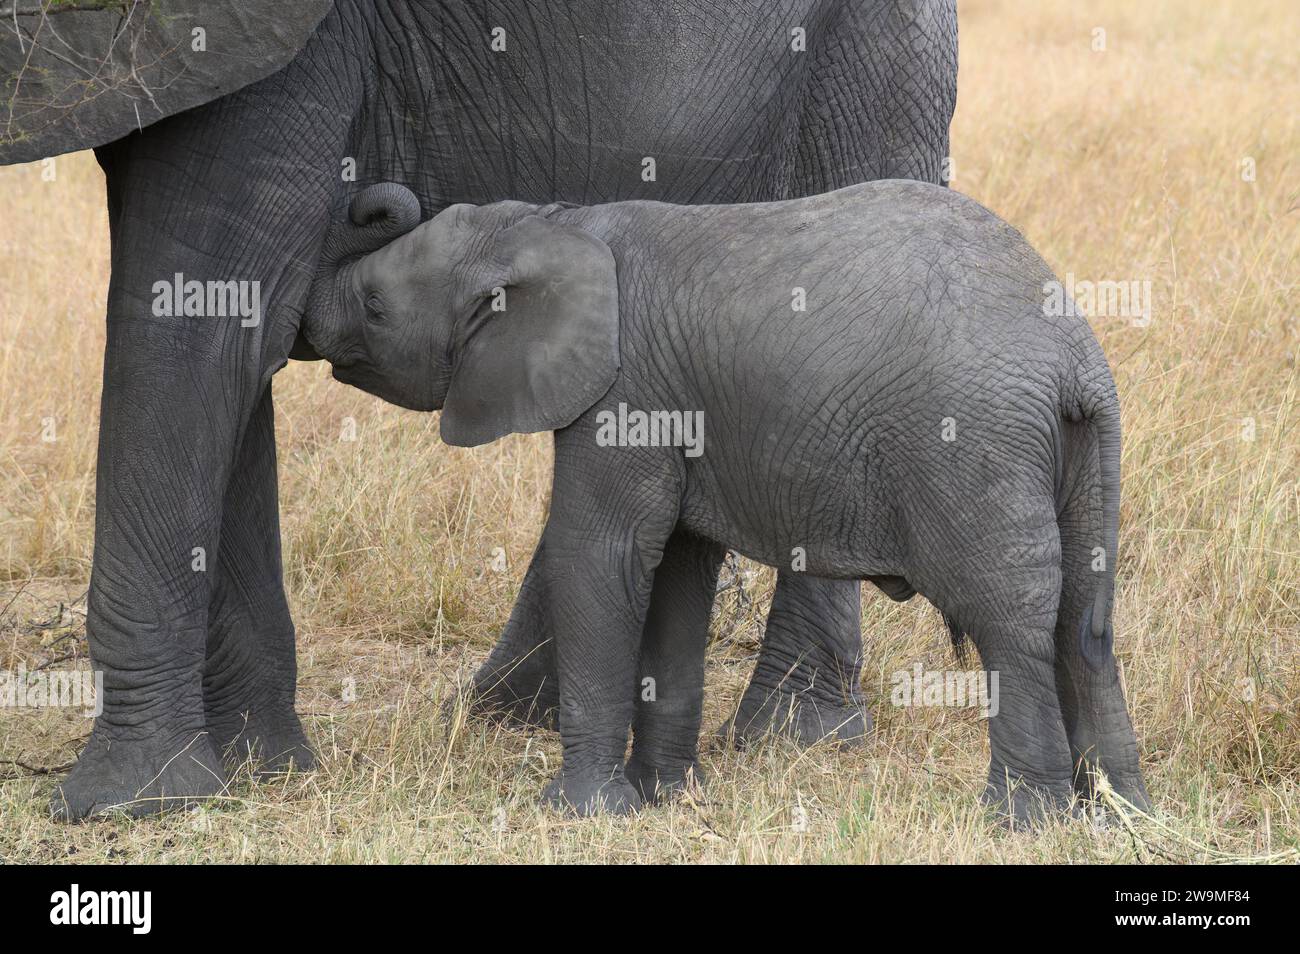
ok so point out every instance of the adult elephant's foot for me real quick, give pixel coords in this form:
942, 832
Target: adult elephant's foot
795, 715
1131, 788
248, 698
806, 683
150, 750
521, 694
249, 686
1022, 804
592, 795
139, 777
272, 741
1134, 791
657, 784
517, 685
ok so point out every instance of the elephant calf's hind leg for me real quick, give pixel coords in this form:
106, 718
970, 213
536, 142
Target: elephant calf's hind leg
1003, 590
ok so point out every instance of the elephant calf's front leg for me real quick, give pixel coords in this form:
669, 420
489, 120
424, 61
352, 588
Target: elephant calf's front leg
612, 512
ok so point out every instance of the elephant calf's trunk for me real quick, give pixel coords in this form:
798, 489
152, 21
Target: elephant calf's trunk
378, 214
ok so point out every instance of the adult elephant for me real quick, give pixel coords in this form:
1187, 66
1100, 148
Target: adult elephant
541, 100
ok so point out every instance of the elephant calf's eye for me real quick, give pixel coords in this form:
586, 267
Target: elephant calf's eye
374, 307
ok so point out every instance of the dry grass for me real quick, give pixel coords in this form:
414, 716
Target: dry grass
1124, 164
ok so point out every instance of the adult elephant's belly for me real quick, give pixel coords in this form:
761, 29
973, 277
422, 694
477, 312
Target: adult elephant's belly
590, 102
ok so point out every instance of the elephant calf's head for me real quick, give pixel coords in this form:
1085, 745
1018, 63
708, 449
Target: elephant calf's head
504, 319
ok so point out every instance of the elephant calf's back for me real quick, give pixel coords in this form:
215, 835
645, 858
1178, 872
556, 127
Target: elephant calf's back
850, 352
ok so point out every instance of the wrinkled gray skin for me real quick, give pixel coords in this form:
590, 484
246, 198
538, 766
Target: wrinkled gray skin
198, 665
824, 430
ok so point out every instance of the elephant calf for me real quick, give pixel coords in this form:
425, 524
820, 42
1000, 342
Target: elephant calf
865, 384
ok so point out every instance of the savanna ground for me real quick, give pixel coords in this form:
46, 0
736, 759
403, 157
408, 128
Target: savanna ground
1131, 163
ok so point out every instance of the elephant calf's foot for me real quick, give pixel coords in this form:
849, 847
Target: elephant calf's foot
139, 777
662, 783
271, 742
1021, 805
588, 795
798, 716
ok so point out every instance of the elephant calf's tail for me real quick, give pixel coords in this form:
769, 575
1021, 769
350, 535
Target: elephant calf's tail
1090, 486
1106, 419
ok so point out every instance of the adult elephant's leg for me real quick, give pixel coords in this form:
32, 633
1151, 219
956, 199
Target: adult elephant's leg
806, 682
518, 682
236, 191
880, 95
250, 676
157, 521
670, 675
178, 396
164, 427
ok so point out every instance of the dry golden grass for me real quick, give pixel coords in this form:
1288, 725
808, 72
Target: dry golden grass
1123, 164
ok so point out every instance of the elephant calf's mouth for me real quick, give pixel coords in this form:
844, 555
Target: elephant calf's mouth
345, 362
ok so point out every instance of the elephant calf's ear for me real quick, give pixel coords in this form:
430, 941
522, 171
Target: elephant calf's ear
539, 342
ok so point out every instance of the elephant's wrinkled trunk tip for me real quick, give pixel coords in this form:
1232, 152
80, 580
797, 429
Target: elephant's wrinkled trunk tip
388, 201
377, 215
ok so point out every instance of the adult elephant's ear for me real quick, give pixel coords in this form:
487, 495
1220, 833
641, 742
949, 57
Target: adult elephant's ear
82, 74
536, 342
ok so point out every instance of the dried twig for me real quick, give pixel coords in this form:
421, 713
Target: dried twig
27, 770
1127, 813
14, 600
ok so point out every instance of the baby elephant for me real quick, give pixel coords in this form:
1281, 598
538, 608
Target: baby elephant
867, 384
